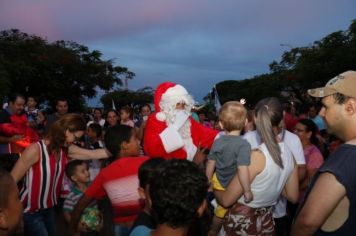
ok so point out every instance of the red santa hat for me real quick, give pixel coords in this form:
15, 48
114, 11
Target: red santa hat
168, 92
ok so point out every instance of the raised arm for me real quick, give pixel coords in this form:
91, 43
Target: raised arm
79, 153
28, 158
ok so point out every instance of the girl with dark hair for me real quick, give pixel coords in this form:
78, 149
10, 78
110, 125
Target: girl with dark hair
112, 118
42, 164
272, 171
306, 130
118, 181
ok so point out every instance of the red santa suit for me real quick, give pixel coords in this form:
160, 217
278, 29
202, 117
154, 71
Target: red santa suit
161, 139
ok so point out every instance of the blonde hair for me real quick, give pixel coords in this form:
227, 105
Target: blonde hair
233, 116
269, 113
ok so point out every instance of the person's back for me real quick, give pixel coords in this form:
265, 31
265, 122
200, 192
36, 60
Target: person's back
268, 185
177, 202
270, 174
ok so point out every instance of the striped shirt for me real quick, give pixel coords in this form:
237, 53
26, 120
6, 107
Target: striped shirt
43, 181
119, 182
73, 198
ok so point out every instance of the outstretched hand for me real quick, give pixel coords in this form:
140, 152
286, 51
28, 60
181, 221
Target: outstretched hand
200, 155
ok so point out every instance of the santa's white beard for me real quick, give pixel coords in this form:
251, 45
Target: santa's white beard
184, 131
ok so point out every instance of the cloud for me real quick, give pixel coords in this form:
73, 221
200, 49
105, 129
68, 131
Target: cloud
197, 43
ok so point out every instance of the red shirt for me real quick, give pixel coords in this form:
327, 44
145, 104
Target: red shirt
119, 181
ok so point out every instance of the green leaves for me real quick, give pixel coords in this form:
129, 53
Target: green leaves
31, 65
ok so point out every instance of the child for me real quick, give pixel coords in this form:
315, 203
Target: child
178, 196
126, 116
229, 154
146, 174
94, 135
10, 204
77, 172
118, 181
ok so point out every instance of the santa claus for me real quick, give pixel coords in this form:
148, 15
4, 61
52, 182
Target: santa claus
170, 131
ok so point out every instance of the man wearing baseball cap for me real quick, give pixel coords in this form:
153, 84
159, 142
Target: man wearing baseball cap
329, 207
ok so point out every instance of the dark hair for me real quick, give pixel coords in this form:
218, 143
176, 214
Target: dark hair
106, 117
71, 167
269, 114
145, 105
13, 97
6, 182
128, 110
177, 192
96, 129
114, 137
147, 171
61, 99
340, 98
310, 126
56, 134
112, 110
34, 98
97, 109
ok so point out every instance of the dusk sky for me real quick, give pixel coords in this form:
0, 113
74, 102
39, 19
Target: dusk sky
196, 43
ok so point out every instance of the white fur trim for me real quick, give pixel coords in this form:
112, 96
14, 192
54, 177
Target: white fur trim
175, 91
171, 139
161, 116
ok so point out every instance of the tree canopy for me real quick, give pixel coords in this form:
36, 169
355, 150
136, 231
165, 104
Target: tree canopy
62, 69
299, 69
128, 97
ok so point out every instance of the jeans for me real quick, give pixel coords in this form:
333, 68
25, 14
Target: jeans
40, 223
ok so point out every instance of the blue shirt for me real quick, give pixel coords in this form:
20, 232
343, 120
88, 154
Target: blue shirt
141, 230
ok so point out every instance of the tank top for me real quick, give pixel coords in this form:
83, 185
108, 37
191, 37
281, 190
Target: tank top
43, 181
268, 185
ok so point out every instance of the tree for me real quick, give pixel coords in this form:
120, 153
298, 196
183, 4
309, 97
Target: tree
51, 70
306, 67
298, 70
123, 97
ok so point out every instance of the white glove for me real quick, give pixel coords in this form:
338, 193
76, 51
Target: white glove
181, 118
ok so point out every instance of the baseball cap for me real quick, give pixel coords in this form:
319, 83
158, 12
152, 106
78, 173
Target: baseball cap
344, 83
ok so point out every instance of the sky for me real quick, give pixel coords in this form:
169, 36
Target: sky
195, 43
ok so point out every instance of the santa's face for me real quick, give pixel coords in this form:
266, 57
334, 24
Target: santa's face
180, 106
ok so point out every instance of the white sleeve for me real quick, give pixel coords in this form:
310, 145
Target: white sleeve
295, 146
252, 138
171, 139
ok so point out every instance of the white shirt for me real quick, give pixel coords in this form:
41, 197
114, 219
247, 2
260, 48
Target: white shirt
253, 138
268, 185
295, 146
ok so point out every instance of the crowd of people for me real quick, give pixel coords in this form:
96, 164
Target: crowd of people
276, 169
